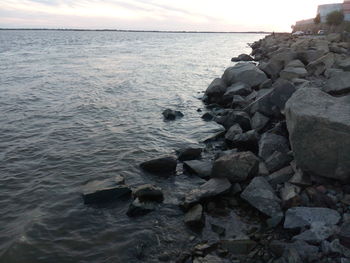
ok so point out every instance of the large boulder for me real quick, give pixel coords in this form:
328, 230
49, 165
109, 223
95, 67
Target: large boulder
215, 90
236, 167
338, 83
247, 73
271, 68
187, 154
319, 132
320, 65
260, 195
164, 165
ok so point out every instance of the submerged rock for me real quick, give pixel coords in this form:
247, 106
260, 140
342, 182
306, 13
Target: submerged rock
189, 154
148, 192
172, 114
163, 165
138, 208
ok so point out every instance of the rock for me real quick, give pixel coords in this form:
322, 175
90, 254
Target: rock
172, 114
208, 259
266, 84
307, 252
263, 169
319, 129
336, 247
208, 116
320, 65
316, 234
242, 57
307, 56
105, 191
235, 117
272, 68
344, 234
334, 37
344, 64
290, 73
195, 217
247, 73
301, 179
259, 121
163, 165
260, 195
281, 176
233, 131
238, 247
277, 161
138, 208
295, 64
238, 88
189, 154
198, 167
216, 90
338, 84
224, 153
269, 143
212, 188
148, 192
290, 195
238, 102
237, 167
247, 141
305, 216
290, 255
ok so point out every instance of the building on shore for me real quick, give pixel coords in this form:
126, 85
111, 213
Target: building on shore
346, 10
324, 10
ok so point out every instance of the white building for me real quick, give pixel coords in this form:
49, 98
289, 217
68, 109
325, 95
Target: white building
324, 10
346, 10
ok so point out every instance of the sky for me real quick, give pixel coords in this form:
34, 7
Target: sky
178, 15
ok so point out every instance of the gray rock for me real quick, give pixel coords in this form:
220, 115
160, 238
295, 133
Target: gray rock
247, 141
319, 132
338, 84
212, 188
260, 195
344, 64
295, 64
320, 65
336, 247
105, 191
259, 121
236, 167
189, 154
289, 192
138, 208
334, 37
235, 117
263, 169
305, 216
224, 153
238, 246
344, 234
238, 88
281, 176
195, 217
290, 73
148, 192
247, 73
208, 116
165, 165
316, 234
170, 114
266, 84
301, 179
233, 131
199, 167
216, 88
269, 143
208, 259
238, 102
272, 68
242, 57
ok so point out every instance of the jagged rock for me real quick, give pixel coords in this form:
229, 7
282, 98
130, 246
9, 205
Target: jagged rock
301, 179
290, 73
238, 102
189, 154
233, 131
269, 143
316, 234
105, 190
199, 167
236, 167
307, 56
259, 121
195, 217
260, 195
212, 188
281, 176
319, 129
277, 161
148, 192
163, 165
320, 65
216, 90
338, 83
138, 208
247, 73
242, 57
263, 169
289, 193
344, 64
170, 114
304, 216
235, 117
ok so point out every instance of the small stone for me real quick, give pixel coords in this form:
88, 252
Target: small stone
195, 217
208, 116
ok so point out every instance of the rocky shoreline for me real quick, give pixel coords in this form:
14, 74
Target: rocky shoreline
282, 162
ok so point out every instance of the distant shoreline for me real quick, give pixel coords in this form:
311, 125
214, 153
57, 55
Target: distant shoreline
138, 31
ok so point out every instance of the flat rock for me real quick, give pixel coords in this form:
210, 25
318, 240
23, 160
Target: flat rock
319, 132
148, 192
164, 165
202, 168
305, 216
236, 167
260, 195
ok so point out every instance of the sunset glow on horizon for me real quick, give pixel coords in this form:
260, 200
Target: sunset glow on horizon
189, 15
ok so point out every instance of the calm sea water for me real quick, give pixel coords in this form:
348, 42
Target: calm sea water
81, 106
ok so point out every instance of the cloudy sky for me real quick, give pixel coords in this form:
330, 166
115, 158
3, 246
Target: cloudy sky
213, 15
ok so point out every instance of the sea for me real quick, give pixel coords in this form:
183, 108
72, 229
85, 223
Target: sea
79, 106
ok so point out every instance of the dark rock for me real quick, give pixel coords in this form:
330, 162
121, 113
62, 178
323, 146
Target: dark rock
316, 234
212, 188
272, 68
290, 73
233, 131
344, 234
238, 247
236, 167
215, 90
189, 154
200, 168
235, 117
297, 217
277, 161
301, 179
269, 143
281, 176
247, 141
172, 114
319, 128
247, 73
260, 195
282, 91
195, 217
105, 191
148, 192
266, 85
238, 102
242, 57
138, 208
338, 84
237, 89
165, 165
208, 259
259, 121
290, 195
208, 116
224, 153
319, 199
263, 169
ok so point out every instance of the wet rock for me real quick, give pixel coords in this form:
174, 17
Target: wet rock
195, 217
105, 191
290, 73
148, 192
269, 143
238, 247
165, 165
338, 83
247, 73
236, 167
277, 161
233, 131
189, 154
235, 117
199, 167
319, 129
138, 208
260, 195
259, 121
170, 114
212, 188
316, 234
216, 90
208, 116
242, 57
281, 176
305, 216
320, 65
